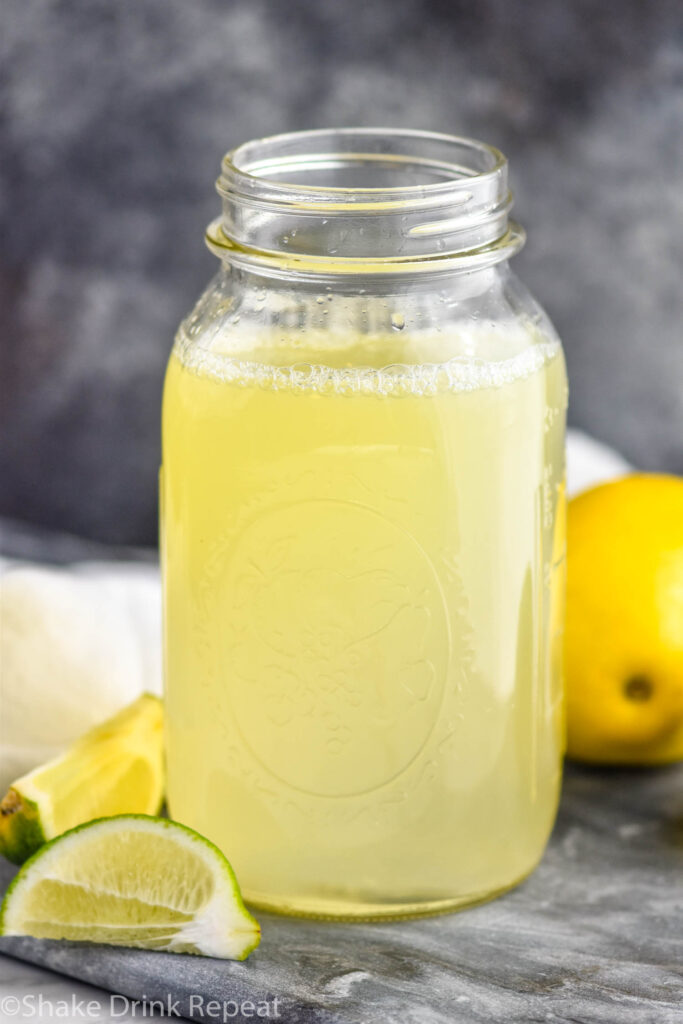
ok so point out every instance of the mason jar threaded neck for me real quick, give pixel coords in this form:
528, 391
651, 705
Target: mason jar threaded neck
364, 200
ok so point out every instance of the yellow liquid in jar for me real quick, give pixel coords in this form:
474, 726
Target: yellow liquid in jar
363, 609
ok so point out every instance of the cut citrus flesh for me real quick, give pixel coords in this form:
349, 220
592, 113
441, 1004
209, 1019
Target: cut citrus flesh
132, 880
115, 768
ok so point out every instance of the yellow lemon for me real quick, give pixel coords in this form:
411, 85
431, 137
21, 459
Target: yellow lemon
624, 633
115, 768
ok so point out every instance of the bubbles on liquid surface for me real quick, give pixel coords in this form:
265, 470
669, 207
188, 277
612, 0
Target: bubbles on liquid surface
459, 374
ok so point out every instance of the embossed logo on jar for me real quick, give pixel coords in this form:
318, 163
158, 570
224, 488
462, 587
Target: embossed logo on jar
337, 645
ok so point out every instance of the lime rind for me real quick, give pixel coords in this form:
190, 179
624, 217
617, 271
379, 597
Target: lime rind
222, 927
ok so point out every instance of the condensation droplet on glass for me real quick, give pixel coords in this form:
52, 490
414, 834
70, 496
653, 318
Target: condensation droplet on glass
398, 321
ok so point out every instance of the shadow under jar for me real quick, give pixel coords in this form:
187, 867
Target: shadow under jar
363, 531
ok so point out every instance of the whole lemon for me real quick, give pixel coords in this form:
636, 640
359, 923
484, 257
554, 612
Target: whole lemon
624, 632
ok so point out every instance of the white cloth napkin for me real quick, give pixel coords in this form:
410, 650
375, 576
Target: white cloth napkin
76, 644
590, 462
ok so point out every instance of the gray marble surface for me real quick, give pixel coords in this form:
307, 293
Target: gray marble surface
30, 993
595, 936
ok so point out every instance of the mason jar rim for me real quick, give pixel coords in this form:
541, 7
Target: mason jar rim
243, 167
364, 200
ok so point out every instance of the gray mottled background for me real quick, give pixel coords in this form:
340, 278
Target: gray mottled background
115, 114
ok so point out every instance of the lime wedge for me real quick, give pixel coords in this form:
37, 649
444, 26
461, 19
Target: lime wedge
115, 768
132, 880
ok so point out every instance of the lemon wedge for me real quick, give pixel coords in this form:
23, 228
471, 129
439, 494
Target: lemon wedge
115, 768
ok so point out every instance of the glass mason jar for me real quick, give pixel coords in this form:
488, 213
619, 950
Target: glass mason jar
363, 531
